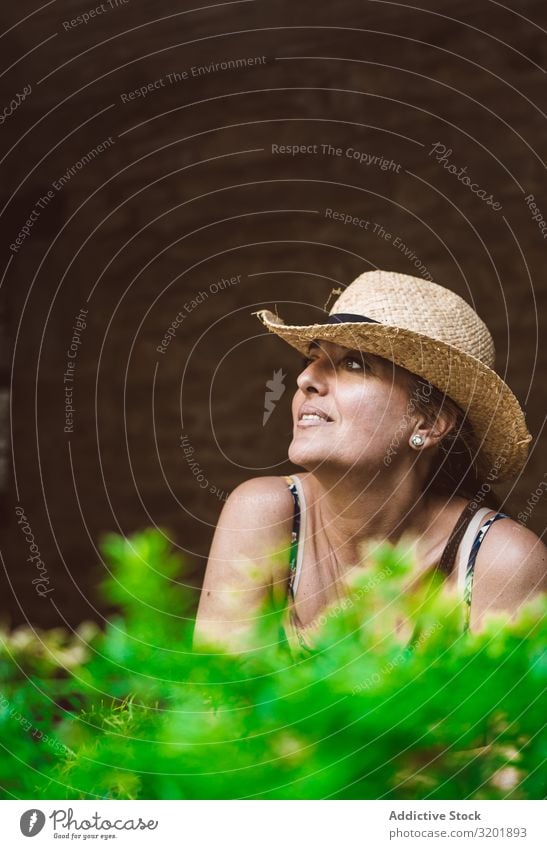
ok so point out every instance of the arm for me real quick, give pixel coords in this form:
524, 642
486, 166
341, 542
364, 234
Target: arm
511, 568
248, 560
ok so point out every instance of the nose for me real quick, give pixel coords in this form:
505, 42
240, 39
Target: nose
312, 380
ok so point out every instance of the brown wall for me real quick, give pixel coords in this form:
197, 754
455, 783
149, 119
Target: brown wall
189, 192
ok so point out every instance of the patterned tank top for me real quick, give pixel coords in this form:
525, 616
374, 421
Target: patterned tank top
445, 565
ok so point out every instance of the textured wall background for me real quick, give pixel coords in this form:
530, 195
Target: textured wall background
186, 191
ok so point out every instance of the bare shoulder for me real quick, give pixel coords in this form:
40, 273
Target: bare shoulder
261, 510
515, 552
247, 555
511, 567
258, 498
255, 521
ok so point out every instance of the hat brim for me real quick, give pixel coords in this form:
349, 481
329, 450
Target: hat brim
491, 408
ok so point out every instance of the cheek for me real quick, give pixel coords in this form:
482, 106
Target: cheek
396, 405
375, 408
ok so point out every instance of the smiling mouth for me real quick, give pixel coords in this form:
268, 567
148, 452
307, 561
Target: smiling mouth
311, 419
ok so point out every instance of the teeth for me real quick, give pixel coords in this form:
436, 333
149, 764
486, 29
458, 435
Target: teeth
313, 416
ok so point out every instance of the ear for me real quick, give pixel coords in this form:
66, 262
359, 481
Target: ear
434, 430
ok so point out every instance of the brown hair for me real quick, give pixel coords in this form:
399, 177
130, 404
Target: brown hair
457, 471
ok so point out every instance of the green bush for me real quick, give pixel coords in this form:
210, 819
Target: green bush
377, 711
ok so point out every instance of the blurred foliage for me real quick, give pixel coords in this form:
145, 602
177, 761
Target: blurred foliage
395, 702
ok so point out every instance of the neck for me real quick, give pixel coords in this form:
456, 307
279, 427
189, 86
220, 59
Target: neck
354, 510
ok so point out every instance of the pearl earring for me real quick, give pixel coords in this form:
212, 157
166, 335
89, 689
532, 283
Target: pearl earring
417, 440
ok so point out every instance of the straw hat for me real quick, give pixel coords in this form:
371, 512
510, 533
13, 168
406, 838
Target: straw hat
435, 334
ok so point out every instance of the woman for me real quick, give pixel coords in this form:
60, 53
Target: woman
398, 421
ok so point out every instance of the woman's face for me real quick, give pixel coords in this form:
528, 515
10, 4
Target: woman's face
365, 400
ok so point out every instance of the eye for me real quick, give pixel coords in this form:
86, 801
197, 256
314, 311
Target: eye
357, 361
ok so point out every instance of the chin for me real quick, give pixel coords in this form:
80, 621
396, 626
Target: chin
299, 454
305, 455
311, 457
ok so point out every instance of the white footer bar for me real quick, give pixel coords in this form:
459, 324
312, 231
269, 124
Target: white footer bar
275, 824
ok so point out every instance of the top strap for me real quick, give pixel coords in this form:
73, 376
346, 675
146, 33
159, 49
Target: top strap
293, 555
470, 568
448, 557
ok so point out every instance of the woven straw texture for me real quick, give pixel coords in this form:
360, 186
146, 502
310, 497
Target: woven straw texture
435, 334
